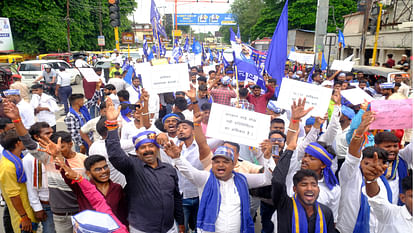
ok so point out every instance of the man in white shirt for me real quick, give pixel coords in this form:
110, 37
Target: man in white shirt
391, 218
134, 90
90, 126
352, 202
404, 88
44, 105
231, 214
63, 88
37, 185
110, 91
196, 151
118, 82
81, 63
25, 109
98, 148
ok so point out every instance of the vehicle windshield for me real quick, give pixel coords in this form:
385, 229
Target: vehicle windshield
30, 67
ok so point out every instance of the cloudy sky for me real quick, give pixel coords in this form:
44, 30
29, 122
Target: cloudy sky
142, 13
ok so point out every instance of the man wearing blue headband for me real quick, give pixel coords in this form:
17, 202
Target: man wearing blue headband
152, 186
25, 109
356, 215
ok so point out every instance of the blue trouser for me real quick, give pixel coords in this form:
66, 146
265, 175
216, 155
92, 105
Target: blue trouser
190, 209
266, 212
64, 93
92, 111
48, 225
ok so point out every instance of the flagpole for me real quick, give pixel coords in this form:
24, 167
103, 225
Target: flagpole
237, 86
158, 41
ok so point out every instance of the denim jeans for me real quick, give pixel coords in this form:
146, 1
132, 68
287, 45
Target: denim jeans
7, 220
190, 209
48, 225
266, 212
64, 93
92, 111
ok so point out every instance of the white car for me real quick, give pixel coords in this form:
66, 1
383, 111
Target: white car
31, 70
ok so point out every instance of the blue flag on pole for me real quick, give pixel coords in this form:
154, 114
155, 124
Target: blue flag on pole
341, 39
249, 72
196, 47
186, 45
145, 47
156, 20
211, 54
310, 80
276, 56
224, 62
232, 35
324, 65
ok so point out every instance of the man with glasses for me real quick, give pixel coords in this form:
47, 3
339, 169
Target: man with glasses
97, 169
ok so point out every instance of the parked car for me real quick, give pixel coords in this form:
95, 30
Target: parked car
30, 70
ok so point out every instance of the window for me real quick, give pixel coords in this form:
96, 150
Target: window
30, 67
64, 64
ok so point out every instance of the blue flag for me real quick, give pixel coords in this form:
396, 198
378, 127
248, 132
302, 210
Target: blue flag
249, 72
232, 35
224, 61
341, 39
211, 54
154, 49
238, 32
276, 56
196, 47
145, 47
156, 20
186, 45
177, 53
324, 65
310, 80
203, 54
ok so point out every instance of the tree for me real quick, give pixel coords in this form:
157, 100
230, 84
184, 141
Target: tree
302, 15
40, 25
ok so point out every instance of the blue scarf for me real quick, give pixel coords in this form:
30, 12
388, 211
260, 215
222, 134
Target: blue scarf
317, 151
125, 111
400, 165
84, 112
20, 174
300, 221
210, 204
138, 91
362, 222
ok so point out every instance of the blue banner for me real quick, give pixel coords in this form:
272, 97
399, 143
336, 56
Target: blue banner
210, 19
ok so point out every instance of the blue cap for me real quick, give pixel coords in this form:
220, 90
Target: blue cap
387, 85
310, 121
225, 80
348, 112
145, 137
272, 107
225, 152
11, 92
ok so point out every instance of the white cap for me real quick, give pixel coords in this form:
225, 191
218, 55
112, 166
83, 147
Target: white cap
327, 83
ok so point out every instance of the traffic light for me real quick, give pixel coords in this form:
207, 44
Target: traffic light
114, 15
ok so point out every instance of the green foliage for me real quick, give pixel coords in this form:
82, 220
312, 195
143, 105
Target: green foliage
39, 26
302, 15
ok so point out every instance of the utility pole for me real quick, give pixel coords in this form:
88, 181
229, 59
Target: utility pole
68, 24
100, 21
368, 5
321, 25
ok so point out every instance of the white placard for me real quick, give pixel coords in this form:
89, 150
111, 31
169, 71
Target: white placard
302, 58
238, 125
316, 96
208, 68
167, 78
356, 96
143, 68
342, 65
89, 74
